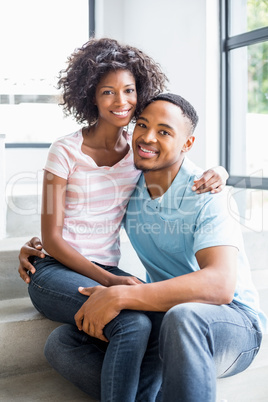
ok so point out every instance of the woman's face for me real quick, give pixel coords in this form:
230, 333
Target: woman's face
116, 98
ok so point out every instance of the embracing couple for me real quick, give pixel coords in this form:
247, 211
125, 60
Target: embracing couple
197, 317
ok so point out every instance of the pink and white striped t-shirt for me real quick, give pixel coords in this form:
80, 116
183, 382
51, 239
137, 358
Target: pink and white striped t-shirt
96, 198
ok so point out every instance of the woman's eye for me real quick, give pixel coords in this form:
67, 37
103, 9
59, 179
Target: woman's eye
130, 90
107, 92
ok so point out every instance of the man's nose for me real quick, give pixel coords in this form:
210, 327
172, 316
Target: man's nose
149, 136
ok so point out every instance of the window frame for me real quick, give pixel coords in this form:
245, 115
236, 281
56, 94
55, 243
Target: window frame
228, 43
91, 32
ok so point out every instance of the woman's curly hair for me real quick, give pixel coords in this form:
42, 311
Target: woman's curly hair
88, 64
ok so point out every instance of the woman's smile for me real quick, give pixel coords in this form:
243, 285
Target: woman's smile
116, 98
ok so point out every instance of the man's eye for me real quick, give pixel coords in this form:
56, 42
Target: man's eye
163, 132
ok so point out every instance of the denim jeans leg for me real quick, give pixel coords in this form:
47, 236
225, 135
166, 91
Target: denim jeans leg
54, 289
151, 368
77, 357
113, 371
128, 336
54, 292
199, 342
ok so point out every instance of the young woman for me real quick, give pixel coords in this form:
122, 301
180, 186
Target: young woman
88, 179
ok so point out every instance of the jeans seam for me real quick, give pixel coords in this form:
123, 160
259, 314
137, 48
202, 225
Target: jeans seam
54, 293
238, 357
252, 329
114, 361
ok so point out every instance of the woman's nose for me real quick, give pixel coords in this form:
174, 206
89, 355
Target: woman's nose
120, 99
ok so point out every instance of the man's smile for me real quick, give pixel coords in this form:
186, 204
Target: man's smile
146, 151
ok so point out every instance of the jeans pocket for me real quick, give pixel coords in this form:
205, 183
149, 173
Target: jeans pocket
241, 363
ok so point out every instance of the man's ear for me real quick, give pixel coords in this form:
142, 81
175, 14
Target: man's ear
188, 144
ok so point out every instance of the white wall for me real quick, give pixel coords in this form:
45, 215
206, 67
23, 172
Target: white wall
183, 37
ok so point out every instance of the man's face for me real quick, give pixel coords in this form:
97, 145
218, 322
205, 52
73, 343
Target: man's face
161, 136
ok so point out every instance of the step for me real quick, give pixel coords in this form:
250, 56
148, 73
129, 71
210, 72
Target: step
249, 386
41, 386
11, 285
23, 333
48, 385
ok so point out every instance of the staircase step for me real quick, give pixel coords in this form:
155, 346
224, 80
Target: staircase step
249, 386
23, 333
47, 385
11, 285
41, 386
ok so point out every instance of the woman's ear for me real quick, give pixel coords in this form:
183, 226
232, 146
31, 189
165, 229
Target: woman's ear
188, 144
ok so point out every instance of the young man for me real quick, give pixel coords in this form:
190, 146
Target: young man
193, 252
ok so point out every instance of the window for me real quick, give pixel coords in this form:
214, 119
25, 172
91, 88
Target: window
244, 112
244, 107
36, 39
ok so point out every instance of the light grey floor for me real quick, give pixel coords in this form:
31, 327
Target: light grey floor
40, 386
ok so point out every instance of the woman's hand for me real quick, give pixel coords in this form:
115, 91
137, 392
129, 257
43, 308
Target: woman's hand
123, 280
212, 180
31, 248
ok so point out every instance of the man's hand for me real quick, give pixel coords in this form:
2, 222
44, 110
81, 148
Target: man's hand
31, 248
98, 310
212, 180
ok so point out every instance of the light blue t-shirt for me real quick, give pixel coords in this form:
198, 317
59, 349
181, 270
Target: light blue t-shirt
168, 231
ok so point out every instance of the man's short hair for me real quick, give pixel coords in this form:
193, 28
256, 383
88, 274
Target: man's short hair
187, 109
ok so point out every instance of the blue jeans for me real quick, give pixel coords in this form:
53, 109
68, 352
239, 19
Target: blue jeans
128, 368
200, 342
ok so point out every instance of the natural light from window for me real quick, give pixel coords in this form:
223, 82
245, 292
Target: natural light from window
249, 92
38, 38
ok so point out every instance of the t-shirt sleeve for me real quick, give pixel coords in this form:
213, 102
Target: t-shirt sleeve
217, 224
58, 162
